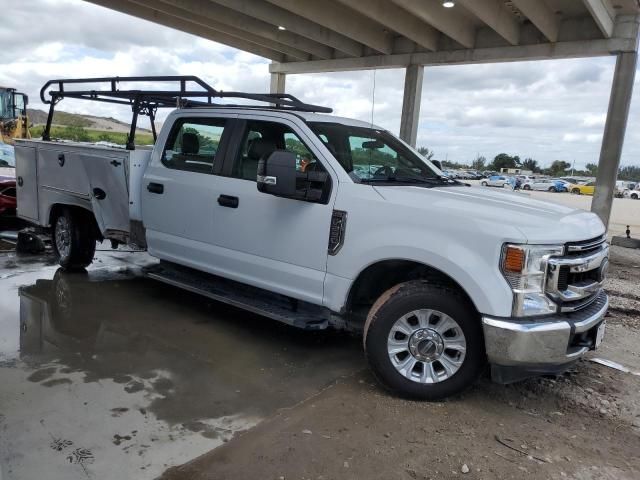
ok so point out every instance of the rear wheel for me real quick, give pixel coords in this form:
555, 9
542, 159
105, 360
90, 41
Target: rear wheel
74, 241
484, 184
552, 189
424, 341
634, 196
527, 187
576, 191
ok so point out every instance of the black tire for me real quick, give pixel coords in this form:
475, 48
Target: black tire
552, 189
576, 191
74, 240
526, 187
484, 184
634, 196
415, 295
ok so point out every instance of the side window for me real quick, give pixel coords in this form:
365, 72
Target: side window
193, 144
261, 139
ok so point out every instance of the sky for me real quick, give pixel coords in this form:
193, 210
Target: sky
546, 110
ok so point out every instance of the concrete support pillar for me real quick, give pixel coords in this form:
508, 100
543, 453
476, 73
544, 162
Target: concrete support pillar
411, 103
613, 138
278, 81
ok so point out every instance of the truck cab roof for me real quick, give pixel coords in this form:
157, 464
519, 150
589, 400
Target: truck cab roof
311, 117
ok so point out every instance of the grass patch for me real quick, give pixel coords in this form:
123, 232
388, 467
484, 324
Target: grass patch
80, 134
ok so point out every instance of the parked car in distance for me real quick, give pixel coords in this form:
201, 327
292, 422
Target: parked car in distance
633, 193
545, 184
496, 181
7, 197
583, 189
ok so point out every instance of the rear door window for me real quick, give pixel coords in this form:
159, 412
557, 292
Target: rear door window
193, 144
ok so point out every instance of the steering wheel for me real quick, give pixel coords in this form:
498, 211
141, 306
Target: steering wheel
384, 170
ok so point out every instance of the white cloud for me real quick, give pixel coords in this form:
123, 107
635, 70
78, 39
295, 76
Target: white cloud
547, 110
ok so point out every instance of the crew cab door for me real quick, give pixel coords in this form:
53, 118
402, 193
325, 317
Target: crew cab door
280, 244
180, 188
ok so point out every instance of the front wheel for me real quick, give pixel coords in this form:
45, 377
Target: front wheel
424, 341
74, 241
484, 184
527, 187
634, 196
552, 189
576, 191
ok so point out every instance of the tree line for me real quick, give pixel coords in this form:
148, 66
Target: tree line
557, 168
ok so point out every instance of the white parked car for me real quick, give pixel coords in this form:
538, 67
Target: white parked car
496, 181
278, 211
633, 194
544, 184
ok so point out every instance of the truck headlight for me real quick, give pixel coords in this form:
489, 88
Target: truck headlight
524, 267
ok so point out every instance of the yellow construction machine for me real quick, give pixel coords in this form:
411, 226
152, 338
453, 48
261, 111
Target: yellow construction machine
13, 115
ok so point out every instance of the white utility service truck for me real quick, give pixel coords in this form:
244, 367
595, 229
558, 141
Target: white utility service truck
319, 221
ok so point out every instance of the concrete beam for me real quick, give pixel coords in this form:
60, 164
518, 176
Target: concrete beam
337, 17
276, 16
153, 15
543, 51
614, 130
541, 16
240, 22
278, 82
496, 16
398, 20
411, 98
206, 19
449, 21
603, 14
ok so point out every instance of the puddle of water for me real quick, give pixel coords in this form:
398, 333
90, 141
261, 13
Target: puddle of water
137, 375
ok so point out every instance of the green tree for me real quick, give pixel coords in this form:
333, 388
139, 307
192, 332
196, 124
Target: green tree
504, 160
531, 164
629, 173
592, 168
558, 167
426, 153
479, 163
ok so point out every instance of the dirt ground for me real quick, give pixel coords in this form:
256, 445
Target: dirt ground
582, 425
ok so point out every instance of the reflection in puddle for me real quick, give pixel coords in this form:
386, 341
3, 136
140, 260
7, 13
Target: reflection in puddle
139, 376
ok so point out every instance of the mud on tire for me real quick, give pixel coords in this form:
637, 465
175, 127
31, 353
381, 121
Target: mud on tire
412, 313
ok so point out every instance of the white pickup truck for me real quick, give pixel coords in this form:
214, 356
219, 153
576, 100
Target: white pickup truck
320, 221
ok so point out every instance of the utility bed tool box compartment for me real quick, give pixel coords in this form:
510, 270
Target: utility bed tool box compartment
93, 177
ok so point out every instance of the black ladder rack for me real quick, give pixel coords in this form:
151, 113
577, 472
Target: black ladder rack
191, 92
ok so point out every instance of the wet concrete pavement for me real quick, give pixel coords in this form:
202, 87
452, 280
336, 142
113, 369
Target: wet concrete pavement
107, 374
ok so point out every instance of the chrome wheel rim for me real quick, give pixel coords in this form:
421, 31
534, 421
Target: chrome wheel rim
63, 236
426, 346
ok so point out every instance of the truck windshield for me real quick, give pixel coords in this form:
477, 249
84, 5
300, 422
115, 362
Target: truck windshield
370, 155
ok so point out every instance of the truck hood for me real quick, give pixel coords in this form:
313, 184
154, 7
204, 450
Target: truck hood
537, 220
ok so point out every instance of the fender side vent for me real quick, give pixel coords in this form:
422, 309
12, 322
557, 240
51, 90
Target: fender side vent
337, 231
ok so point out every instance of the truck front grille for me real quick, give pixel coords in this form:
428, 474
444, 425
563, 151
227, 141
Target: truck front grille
575, 279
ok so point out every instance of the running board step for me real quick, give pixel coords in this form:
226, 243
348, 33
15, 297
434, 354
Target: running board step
284, 309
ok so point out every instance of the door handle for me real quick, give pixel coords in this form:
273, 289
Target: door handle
228, 201
115, 163
155, 188
20, 181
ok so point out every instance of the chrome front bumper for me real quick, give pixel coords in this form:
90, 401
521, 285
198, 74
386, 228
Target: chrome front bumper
545, 344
